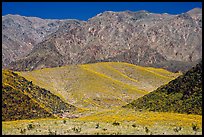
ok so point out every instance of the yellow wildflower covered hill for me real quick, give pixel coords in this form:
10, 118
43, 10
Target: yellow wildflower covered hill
21, 99
101, 85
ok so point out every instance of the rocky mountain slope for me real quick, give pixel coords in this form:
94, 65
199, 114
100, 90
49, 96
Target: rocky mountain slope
21, 99
99, 85
20, 34
182, 95
141, 38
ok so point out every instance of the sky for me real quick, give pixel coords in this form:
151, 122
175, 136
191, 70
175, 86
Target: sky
86, 10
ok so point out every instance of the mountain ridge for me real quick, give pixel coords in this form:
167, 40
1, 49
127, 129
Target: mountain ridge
140, 38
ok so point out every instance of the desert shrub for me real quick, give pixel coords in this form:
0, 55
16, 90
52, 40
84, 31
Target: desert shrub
64, 121
51, 132
177, 129
146, 130
23, 131
97, 125
30, 126
116, 123
116, 133
134, 125
76, 129
195, 127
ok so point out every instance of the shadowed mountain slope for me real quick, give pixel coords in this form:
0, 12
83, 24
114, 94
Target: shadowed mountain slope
182, 95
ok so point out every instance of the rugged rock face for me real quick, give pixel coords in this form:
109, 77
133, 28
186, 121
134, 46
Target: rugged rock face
20, 34
140, 38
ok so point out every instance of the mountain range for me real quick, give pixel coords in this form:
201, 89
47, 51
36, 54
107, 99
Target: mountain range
140, 38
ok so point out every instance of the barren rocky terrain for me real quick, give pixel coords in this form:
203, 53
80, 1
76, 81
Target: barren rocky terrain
141, 38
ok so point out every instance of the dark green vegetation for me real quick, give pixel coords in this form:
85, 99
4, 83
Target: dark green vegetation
182, 95
23, 100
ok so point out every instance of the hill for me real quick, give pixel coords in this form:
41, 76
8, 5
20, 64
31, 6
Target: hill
182, 95
140, 38
100, 85
21, 99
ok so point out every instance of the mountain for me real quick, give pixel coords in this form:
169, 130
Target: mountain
182, 95
20, 34
174, 66
21, 99
50, 53
140, 38
99, 85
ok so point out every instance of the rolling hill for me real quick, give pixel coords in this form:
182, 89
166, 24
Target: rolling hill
21, 99
99, 85
182, 95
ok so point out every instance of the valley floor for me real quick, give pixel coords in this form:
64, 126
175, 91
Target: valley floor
110, 122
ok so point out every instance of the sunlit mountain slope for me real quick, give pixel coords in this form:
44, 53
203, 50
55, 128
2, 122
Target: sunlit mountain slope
101, 84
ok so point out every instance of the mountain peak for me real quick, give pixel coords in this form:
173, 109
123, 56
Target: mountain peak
143, 11
195, 11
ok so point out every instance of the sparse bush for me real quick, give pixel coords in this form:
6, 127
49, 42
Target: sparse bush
116, 133
116, 123
23, 131
76, 129
146, 130
195, 127
134, 125
177, 129
64, 121
30, 126
104, 129
51, 132
97, 125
